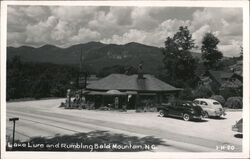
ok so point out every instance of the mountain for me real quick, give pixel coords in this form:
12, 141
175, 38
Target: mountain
96, 55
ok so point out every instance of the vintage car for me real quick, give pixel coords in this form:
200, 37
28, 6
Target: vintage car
210, 107
184, 109
238, 126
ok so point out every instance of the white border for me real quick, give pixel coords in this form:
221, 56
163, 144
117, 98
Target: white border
219, 4
144, 155
246, 95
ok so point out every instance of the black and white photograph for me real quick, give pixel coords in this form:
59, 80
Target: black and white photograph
93, 78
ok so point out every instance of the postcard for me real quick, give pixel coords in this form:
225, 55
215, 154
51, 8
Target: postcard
124, 79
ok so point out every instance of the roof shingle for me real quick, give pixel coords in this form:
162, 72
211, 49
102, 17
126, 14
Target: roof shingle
132, 83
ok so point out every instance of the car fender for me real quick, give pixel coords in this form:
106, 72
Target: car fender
210, 111
162, 108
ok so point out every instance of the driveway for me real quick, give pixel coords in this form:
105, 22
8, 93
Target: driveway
45, 119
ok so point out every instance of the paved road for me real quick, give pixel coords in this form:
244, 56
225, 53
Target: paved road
44, 118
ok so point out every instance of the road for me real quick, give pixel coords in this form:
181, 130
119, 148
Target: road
45, 119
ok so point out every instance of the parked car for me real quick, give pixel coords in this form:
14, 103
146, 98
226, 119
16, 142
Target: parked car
184, 109
210, 107
238, 126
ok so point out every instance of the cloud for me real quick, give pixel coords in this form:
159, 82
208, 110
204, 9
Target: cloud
232, 49
199, 34
75, 14
229, 21
225, 23
166, 29
131, 35
36, 13
21, 16
125, 13
105, 23
155, 37
62, 31
84, 35
15, 38
142, 19
41, 32
68, 25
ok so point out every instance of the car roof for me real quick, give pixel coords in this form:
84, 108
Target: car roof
183, 101
206, 99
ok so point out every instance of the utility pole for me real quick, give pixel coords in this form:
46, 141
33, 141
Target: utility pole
14, 125
80, 74
83, 74
81, 61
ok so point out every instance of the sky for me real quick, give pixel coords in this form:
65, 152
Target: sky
64, 26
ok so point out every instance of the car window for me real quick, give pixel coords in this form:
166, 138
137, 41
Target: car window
184, 104
196, 101
188, 104
216, 103
194, 104
203, 103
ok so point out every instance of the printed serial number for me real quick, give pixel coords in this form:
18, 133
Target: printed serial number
225, 147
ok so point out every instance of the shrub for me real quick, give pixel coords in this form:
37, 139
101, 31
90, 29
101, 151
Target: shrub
230, 92
234, 103
219, 98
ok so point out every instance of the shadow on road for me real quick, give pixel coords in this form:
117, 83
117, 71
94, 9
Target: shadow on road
238, 136
199, 121
98, 141
179, 118
217, 118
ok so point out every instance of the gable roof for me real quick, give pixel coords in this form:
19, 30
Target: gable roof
132, 83
232, 84
220, 75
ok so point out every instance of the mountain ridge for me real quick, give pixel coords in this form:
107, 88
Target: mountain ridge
96, 55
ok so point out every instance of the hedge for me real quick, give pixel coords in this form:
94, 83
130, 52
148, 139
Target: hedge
234, 103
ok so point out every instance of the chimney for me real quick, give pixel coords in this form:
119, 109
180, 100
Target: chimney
140, 71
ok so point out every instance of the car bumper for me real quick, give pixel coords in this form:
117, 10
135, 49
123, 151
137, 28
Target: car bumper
237, 128
234, 128
220, 113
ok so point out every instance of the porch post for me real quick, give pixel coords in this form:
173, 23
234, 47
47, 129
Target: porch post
137, 101
102, 100
160, 98
126, 102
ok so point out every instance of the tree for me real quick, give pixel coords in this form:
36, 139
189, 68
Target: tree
241, 52
210, 54
41, 88
111, 69
128, 70
178, 61
38, 80
202, 92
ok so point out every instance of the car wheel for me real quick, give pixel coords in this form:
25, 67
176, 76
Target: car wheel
206, 115
186, 117
162, 113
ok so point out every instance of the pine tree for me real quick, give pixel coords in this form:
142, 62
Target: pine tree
178, 61
210, 53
